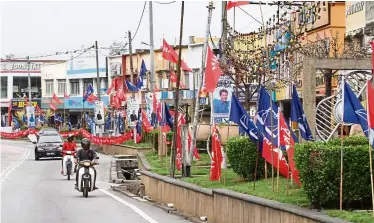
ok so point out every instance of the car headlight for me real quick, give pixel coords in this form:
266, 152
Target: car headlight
40, 149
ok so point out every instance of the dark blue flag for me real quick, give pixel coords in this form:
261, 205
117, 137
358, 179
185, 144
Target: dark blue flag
139, 123
121, 124
58, 118
241, 117
131, 87
88, 119
143, 70
263, 122
89, 91
16, 122
108, 121
298, 115
2, 122
354, 112
166, 117
69, 124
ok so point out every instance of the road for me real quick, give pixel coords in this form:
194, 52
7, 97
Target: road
36, 192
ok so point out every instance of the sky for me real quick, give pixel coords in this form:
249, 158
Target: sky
39, 28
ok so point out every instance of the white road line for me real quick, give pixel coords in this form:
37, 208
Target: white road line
133, 207
7, 171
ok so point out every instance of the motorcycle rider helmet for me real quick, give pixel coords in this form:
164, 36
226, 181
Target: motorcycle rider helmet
70, 137
86, 143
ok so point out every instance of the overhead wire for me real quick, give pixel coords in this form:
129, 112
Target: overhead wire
165, 3
140, 21
65, 61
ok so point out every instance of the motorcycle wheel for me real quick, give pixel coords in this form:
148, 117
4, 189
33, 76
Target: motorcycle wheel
85, 192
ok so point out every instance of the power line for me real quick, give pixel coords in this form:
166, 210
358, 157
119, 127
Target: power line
141, 18
65, 61
250, 15
54, 54
165, 3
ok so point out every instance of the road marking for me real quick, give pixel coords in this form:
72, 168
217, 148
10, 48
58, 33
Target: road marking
7, 171
133, 207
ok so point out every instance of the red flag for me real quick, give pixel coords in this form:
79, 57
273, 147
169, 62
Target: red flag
120, 89
215, 167
286, 140
38, 110
370, 106
55, 99
52, 106
156, 88
92, 98
212, 72
111, 86
277, 156
232, 4
195, 152
66, 96
173, 77
145, 122
26, 101
169, 54
182, 85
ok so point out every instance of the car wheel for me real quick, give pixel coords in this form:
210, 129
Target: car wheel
37, 156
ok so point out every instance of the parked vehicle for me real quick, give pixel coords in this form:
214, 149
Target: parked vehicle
48, 145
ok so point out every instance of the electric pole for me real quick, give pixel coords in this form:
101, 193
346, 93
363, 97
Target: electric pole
131, 63
97, 72
151, 46
200, 85
29, 78
176, 99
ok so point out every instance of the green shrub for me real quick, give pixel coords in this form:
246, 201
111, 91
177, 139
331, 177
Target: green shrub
169, 136
24, 127
242, 156
319, 171
153, 137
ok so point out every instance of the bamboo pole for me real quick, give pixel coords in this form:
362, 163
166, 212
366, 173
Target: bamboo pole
341, 166
279, 149
228, 135
370, 149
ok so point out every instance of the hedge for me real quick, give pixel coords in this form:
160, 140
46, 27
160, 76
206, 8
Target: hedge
319, 171
241, 153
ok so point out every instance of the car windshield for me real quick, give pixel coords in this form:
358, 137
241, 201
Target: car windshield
50, 138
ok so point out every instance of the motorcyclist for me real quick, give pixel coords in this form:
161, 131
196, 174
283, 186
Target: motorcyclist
70, 145
85, 154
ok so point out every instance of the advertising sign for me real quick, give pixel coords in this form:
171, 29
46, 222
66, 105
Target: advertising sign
85, 65
30, 111
132, 111
76, 102
222, 100
20, 103
99, 112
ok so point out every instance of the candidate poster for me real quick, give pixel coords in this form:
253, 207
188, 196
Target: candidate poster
30, 114
99, 113
132, 111
221, 100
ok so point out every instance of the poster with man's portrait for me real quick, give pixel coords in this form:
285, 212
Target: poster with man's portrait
132, 112
221, 101
30, 113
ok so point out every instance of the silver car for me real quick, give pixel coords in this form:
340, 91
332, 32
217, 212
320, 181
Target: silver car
48, 144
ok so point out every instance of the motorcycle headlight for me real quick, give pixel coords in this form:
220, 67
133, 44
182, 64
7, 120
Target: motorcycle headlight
86, 164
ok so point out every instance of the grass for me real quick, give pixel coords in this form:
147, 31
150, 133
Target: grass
138, 145
295, 196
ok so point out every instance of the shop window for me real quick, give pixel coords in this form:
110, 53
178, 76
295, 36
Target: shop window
87, 82
4, 87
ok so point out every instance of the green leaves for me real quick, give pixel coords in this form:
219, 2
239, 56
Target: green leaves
319, 170
242, 156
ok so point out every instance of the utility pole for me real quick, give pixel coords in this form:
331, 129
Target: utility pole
224, 29
131, 63
200, 85
97, 72
151, 46
29, 78
176, 99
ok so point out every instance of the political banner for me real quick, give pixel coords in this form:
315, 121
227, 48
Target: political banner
30, 111
221, 101
132, 111
99, 113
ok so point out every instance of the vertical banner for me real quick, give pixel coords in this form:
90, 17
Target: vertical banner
99, 113
30, 111
222, 100
132, 112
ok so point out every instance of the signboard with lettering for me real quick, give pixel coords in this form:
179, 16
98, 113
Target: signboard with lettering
85, 66
77, 103
353, 8
20, 104
16, 67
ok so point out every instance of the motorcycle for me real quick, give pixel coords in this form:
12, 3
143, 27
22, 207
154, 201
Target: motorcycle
68, 163
86, 176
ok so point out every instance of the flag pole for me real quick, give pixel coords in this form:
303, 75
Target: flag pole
279, 149
272, 145
256, 166
228, 135
370, 149
341, 148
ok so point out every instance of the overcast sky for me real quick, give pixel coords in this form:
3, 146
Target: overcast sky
38, 28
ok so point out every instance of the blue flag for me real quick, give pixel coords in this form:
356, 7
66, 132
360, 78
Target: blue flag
139, 123
143, 70
354, 112
121, 125
15, 121
58, 118
166, 117
89, 91
264, 117
108, 121
131, 87
88, 119
241, 117
298, 115
69, 124
2, 122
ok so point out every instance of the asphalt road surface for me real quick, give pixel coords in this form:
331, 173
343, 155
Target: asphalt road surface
36, 192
